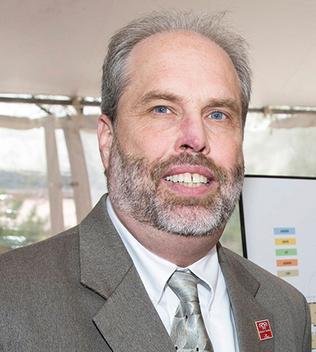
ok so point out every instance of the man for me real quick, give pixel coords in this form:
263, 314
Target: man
144, 271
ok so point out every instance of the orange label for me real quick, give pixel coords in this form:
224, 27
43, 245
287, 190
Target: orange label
287, 262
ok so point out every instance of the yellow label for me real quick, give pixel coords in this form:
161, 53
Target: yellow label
283, 241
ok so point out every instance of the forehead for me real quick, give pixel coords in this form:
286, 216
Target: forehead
179, 47
185, 63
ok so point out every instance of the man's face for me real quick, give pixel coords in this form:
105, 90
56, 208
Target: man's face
176, 160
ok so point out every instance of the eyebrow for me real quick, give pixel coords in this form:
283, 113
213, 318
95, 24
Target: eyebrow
158, 95
231, 104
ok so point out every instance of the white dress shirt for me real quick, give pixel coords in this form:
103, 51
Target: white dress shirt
155, 271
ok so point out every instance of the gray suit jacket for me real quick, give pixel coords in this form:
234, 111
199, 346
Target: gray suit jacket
79, 291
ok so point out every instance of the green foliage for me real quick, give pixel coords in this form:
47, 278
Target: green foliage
15, 234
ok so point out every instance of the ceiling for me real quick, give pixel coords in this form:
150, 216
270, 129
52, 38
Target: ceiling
57, 46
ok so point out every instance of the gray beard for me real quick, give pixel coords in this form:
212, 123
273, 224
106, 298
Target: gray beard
133, 185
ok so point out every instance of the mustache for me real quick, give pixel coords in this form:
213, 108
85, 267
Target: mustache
159, 169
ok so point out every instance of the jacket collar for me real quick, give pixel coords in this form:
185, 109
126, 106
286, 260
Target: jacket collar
127, 320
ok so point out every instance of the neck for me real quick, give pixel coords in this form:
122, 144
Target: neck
180, 250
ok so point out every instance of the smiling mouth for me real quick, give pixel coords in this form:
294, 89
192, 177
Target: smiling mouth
188, 179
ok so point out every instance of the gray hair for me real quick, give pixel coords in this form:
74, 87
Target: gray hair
114, 78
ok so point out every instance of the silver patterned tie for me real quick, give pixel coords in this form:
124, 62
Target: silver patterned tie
188, 331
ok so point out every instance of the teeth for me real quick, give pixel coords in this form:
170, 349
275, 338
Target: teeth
188, 179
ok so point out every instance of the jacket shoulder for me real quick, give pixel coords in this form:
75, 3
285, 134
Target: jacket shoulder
41, 258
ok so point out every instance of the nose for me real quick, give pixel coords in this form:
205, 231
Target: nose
193, 136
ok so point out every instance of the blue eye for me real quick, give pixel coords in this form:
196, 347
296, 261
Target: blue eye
217, 115
161, 109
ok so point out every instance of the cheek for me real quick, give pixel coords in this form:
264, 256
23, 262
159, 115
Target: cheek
154, 147
144, 143
227, 153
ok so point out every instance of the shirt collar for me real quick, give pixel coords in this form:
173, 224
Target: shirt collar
207, 269
155, 271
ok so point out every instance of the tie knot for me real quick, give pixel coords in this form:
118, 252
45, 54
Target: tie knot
184, 285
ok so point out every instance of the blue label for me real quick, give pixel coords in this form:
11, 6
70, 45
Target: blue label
284, 231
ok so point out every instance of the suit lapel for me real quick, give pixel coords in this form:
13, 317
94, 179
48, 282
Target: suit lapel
242, 290
128, 321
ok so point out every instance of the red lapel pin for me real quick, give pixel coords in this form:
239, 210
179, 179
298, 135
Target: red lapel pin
264, 329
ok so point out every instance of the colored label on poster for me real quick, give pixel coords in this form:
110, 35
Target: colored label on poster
287, 273
282, 241
286, 251
284, 231
287, 262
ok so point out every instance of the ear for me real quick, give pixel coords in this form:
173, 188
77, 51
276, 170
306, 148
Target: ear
105, 138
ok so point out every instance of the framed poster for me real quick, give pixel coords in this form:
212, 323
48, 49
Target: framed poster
278, 224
